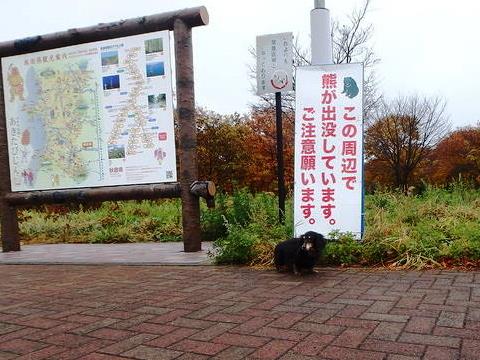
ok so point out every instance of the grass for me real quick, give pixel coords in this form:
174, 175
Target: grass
438, 228
112, 222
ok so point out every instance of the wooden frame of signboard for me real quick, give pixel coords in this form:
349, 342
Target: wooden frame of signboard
189, 189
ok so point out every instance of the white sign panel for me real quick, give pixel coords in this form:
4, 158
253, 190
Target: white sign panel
329, 149
94, 114
274, 63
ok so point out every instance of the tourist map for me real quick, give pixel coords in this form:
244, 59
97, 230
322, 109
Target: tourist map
96, 114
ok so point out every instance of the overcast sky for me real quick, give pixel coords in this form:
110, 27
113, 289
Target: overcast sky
427, 47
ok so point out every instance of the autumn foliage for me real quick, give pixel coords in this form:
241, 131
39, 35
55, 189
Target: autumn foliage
239, 151
456, 157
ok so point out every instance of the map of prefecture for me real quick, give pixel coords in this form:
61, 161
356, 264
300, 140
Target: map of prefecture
95, 114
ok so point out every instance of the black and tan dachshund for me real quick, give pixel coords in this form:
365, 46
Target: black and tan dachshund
299, 255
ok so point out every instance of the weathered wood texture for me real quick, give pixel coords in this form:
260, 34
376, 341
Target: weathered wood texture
8, 214
111, 193
190, 17
205, 189
187, 135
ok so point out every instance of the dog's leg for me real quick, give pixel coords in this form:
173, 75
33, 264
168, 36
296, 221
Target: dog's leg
295, 269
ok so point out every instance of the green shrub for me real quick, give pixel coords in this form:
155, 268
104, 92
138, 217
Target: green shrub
342, 249
251, 242
236, 247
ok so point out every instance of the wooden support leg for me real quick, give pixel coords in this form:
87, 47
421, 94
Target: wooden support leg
187, 136
10, 236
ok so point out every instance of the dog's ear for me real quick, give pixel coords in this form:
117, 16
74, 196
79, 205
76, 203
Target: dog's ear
320, 241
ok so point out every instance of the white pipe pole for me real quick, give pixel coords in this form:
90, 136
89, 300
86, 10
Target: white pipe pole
320, 33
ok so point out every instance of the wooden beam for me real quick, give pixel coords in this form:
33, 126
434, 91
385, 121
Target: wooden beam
191, 17
109, 193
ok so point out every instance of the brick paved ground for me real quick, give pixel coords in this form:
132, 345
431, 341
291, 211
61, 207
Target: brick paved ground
118, 312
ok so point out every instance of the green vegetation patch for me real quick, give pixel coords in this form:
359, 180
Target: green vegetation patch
438, 228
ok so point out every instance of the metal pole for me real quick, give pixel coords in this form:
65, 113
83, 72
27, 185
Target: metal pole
320, 34
280, 163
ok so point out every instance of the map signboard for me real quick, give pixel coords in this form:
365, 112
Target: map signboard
274, 63
95, 114
329, 149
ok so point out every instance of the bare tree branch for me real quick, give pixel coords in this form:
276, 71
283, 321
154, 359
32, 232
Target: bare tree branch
350, 43
403, 133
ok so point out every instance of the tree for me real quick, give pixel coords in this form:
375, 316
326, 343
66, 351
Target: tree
403, 133
457, 156
238, 151
262, 173
222, 155
351, 42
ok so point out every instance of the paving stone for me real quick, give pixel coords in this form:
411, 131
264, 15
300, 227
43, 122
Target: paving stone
396, 347
21, 346
212, 332
82, 350
152, 353
351, 337
402, 357
111, 334
430, 340
318, 328
252, 325
127, 344
273, 350
387, 331
68, 340
195, 313
45, 353
150, 328
421, 325
234, 353
199, 347
470, 349
287, 320
340, 353
241, 340
451, 319
441, 353
172, 337
8, 328
385, 317
313, 344
352, 322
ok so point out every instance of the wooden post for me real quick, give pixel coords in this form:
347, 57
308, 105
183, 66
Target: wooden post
280, 165
187, 135
8, 214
